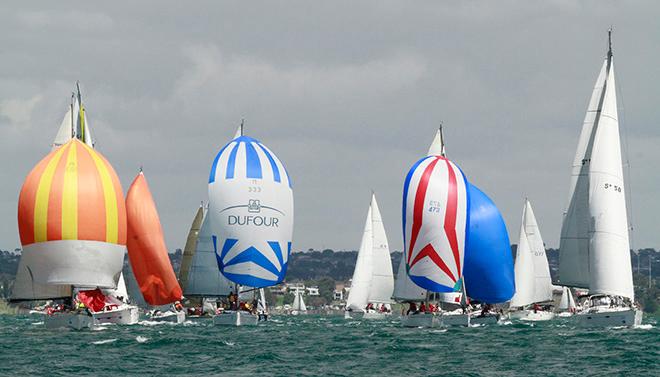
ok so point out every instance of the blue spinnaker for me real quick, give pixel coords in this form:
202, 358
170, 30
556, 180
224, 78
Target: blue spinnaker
488, 269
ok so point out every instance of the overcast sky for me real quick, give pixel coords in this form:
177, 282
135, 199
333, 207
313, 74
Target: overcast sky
347, 94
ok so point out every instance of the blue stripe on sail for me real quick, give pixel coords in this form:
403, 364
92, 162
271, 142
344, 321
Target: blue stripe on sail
231, 164
406, 186
429, 284
229, 243
215, 163
273, 165
252, 161
253, 255
277, 250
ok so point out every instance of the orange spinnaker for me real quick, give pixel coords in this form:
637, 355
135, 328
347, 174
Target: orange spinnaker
146, 247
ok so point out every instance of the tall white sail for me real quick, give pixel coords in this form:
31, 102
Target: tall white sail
404, 288
204, 279
437, 147
358, 296
532, 273
595, 250
382, 277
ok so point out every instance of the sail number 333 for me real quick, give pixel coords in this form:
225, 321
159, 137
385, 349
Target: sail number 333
609, 186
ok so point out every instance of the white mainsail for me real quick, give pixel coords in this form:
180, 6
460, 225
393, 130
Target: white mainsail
532, 273
594, 246
373, 279
204, 279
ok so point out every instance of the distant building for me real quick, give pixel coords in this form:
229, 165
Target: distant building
313, 291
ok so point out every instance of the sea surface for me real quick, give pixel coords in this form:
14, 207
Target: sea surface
315, 345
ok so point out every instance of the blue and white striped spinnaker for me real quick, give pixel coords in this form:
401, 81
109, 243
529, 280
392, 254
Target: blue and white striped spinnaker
250, 213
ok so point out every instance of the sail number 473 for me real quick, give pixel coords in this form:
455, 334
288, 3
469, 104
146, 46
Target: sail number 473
609, 186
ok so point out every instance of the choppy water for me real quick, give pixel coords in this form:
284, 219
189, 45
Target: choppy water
328, 346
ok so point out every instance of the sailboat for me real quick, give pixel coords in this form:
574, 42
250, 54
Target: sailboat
250, 219
373, 279
532, 273
435, 221
200, 279
148, 254
114, 299
298, 306
567, 305
594, 246
69, 251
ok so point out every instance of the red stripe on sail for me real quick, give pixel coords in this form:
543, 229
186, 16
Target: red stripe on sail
418, 209
429, 251
450, 216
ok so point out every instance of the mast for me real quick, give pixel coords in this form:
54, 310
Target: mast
81, 115
442, 142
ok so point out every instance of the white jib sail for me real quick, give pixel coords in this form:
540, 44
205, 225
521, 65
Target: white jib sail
532, 273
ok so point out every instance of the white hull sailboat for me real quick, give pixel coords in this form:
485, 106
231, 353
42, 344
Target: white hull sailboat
567, 307
532, 273
122, 315
250, 221
235, 318
373, 280
298, 307
594, 246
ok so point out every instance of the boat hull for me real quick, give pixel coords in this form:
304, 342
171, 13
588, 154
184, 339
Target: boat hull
420, 320
454, 319
74, 321
488, 319
232, 318
169, 316
530, 315
610, 318
123, 315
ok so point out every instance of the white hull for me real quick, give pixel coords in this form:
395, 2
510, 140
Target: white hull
420, 320
530, 315
565, 315
454, 319
232, 318
123, 315
169, 316
69, 320
611, 317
